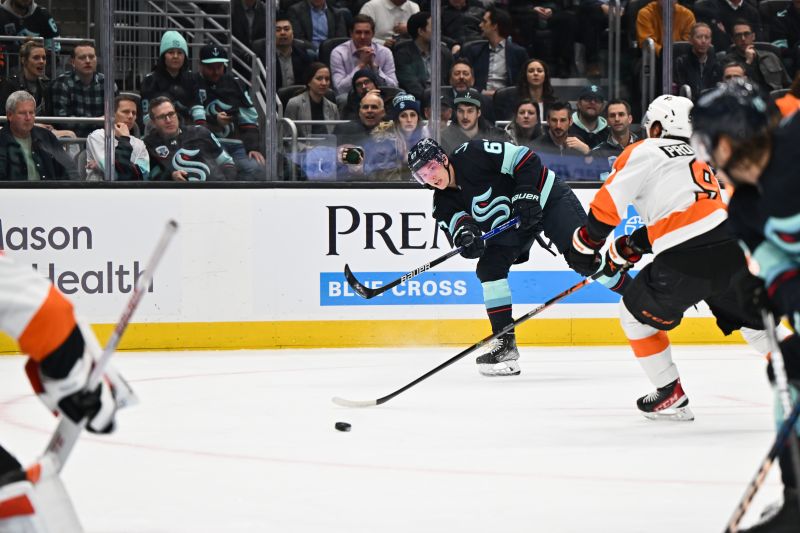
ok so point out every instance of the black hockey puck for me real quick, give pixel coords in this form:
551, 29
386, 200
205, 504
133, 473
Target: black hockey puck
342, 426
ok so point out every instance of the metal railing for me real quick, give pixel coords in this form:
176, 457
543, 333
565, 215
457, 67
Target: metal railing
57, 62
648, 73
614, 47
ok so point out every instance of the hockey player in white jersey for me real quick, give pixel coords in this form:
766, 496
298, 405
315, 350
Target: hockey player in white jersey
61, 352
679, 200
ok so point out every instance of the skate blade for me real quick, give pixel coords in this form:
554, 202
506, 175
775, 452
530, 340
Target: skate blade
506, 368
677, 414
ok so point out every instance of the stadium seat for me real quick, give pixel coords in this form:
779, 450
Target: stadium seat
327, 46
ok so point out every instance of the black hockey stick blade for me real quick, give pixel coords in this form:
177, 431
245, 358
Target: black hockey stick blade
530, 314
366, 292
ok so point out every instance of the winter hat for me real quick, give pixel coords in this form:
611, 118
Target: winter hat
365, 73
402, 102
172, 39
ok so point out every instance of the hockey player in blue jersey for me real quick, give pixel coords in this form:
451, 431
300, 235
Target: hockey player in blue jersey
481, 185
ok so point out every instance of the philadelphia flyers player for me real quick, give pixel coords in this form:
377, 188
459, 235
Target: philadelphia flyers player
61, 352
481, 185
696, 257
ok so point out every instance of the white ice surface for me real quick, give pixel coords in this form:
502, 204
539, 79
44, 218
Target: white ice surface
244, 442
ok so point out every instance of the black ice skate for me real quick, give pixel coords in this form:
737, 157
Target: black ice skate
783, 519
501, 360
666, 403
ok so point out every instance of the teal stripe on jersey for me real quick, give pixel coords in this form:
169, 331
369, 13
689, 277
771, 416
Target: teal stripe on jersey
772, 261
512, 155
548, 186
496, 293
455, 218
790, 226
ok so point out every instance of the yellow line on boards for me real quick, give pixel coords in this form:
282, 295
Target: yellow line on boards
380, 333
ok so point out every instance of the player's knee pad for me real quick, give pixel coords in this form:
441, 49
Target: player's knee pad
633, 328
38, 504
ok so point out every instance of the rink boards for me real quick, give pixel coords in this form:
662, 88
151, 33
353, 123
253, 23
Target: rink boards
262, 268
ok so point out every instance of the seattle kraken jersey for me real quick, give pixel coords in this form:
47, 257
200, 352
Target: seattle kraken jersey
182, 90
195, 150
36, 23
488, 175
767, 218
230, 95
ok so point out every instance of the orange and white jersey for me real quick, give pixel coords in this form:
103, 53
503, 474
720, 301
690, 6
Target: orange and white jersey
677, 195
32, 311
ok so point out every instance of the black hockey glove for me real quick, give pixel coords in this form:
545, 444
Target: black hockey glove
784, 296
621, 252
468, 236
583, 255
526, 206
89, 404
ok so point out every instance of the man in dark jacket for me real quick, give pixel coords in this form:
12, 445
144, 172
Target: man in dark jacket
315, 21
720, 15
292, 61
413, 58
497, 63
469, 124
761, 66
785, 33
698, 68
28, 152
248, 21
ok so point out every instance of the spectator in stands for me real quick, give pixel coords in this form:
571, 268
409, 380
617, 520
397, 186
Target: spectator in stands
445, 108
588, 125
375, 137
720, 16
311, 104
191, 153
762, 66
497, 62
315, 21
361, 52
408, 127
230, 111
650, 23
27, 152
620, 136
619, 128
390, 18
80, 92
172, 78
413, 58
534, 85
26, 18
698, 68
557, 138
469, 123
248, 21
785, 33
292, 60
525, 128
733, 69
593, 17
131, 161
462, 79
532, 16
789, 103
364, 81
31, 78
461, 21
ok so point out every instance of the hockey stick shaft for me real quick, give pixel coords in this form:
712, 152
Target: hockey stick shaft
67, 432
785, 433
366, 292
530, 314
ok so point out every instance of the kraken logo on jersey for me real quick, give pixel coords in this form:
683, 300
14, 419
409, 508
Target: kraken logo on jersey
195, 170
483, 210
213, 109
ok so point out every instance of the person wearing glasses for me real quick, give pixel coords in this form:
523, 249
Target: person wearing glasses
762, 67
190, 153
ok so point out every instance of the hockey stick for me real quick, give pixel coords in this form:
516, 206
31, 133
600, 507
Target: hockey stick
67, 432
530, 314
785, 432
365, 292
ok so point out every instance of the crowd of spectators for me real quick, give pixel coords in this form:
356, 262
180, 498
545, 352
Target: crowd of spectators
356, 75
